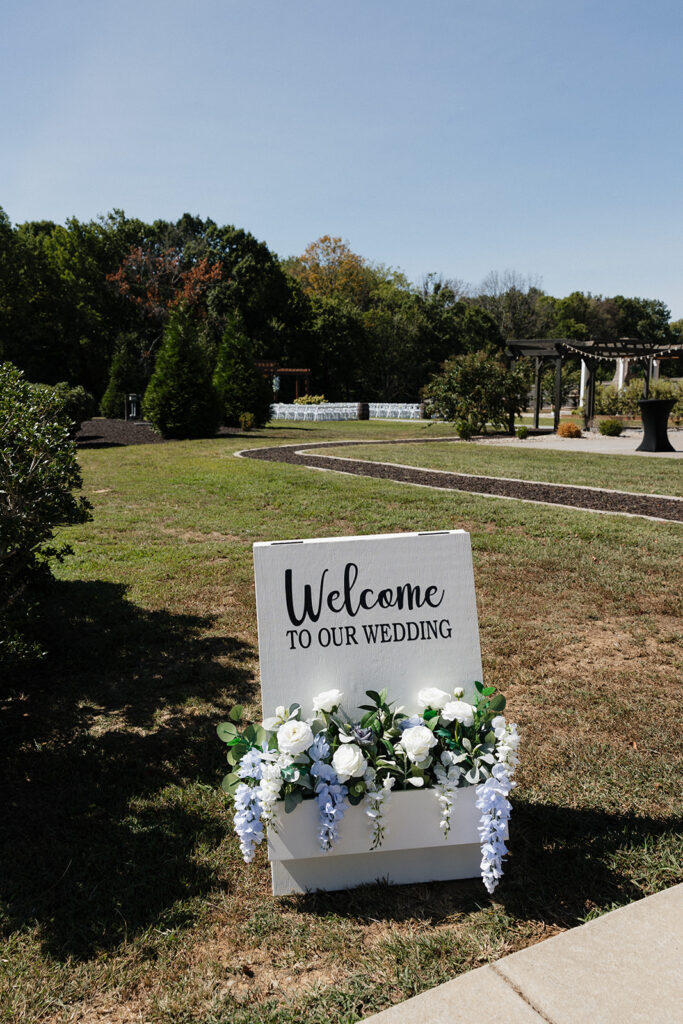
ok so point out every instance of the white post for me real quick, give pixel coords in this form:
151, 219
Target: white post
582, 387
655, 369
622, 370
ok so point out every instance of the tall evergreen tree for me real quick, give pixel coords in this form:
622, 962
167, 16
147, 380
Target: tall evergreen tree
239, 384
180, 400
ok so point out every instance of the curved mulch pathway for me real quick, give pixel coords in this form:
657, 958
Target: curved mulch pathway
588, 498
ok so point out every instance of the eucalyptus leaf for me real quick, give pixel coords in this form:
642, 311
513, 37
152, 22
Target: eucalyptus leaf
260, 735
230, 783
226, 731
293, 708
236, 713
497, 703
292, 800
466, 744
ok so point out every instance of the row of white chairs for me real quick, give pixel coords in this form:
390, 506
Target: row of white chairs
344, 411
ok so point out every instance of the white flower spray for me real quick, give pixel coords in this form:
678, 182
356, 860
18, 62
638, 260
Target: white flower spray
492, 801
448, 775
373, 804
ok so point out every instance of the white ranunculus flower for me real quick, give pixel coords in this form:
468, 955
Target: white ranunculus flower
348, 762
433, 697
294, 737
458, 692
328, 700
417, 742
458, 711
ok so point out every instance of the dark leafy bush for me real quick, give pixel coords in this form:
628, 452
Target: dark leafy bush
522, 432
38, 472
240, 385
464, 430
478, 389
180, 400
610, 427
76, 404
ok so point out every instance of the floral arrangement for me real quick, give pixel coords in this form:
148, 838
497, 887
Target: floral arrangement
332, 759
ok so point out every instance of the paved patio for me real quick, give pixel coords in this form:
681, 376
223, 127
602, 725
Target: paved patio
593, 443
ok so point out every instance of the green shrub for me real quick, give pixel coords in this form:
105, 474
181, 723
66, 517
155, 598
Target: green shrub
310, 400
239, 384
463, 429
522, 432
180, 400
247, 421
608, 401
38, 472
610, 427
76, 404
478, 389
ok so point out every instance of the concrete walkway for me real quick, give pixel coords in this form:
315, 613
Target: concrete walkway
592, 443
621, 968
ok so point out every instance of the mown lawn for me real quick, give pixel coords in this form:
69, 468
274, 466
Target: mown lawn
123, 895
642, 474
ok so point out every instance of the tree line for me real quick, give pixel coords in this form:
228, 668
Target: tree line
89, 302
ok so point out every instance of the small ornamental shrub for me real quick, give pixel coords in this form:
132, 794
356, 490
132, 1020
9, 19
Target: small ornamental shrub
568, 430
610, 427
463, 429
239, 384
247, 420
38, 472
180, 400
310, 400
522, 432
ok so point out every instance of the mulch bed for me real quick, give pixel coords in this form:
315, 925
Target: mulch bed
555, 494
119, 433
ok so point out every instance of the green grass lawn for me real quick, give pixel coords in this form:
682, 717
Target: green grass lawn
617, 472
123, 894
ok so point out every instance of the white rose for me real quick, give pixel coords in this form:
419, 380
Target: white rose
417, 742
348, 762
433, 697
328, 700
294, 737
458, 692
459, 711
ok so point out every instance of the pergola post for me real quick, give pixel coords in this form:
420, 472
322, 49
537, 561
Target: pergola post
537, 392
511, 418
589, 405
558, 393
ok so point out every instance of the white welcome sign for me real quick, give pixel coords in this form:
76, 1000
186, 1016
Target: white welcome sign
358, 613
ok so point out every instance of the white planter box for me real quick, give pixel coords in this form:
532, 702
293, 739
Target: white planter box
413, 849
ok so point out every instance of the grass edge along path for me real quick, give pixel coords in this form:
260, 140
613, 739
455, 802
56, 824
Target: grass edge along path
583, 497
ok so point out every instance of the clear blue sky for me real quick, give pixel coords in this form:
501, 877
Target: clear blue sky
456, 136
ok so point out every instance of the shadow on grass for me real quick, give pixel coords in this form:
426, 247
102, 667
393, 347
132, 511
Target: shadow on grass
559, 869
100, 828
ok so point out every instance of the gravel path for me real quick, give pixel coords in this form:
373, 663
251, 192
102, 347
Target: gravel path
589, 498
